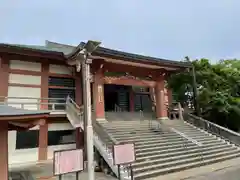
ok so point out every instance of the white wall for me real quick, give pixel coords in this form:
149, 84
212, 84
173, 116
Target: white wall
30, 155
24, 92
21, 79
60, 69
24, 79
25, 65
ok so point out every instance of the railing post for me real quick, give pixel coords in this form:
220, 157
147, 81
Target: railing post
38, 104
180, 111
5, 100
53, 106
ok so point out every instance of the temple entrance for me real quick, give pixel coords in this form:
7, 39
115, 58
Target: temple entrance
142, 102
116, 96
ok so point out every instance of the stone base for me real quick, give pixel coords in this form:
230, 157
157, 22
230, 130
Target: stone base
101, 120
163, 118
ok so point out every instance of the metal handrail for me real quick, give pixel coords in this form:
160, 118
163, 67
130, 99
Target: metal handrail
74, 112
184, 137
187, 137
9, 97
117, 108
74, 103
106, 139
213, 128
108, 142
41, 103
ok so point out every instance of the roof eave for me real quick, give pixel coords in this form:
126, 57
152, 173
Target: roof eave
5, 48
161, 62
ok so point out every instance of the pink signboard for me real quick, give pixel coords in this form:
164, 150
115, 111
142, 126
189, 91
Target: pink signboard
124, 153
67, 161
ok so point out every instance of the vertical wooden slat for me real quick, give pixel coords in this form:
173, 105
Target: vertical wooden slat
44, 85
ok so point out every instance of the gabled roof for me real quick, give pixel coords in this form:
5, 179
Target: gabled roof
68, 51
101, 51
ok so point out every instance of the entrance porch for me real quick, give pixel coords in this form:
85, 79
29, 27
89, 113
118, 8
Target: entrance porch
119, 91
126, 98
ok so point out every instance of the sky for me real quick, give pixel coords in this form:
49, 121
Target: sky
170, 29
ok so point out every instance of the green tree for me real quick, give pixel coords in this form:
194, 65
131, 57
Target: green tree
218, 90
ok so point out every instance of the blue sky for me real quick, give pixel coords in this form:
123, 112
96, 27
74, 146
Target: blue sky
163, 28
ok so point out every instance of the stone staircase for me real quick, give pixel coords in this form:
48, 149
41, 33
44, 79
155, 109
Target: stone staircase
170, 146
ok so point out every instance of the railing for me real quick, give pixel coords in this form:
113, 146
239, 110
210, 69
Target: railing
157, 126
53, 104
213, 128
75, 113
20, 176
187, 137
117, 108
107, 141
102, 139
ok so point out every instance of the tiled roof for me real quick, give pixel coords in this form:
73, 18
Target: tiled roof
12, 111
52, 47
110, 52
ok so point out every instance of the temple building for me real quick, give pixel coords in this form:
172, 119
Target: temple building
36, 80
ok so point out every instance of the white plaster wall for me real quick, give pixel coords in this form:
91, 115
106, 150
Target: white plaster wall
25, 156
25, 65
11, 141
60, 69
24, 79
19, 93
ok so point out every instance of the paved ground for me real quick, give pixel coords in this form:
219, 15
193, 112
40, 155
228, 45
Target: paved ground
227, 170
47, 171
232, 173
83, 176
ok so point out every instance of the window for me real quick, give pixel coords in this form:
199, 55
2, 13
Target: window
59, 89
63, 82
30, 139
27, 139
61, 137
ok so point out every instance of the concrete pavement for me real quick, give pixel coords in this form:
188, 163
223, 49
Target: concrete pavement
226, 170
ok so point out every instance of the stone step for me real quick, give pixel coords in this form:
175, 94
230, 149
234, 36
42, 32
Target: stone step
183, 161
180, 157
168, 143
161, 136
121, 131
157, 172
162, 147
170, 146
170, 138
130, 133
188, 149
158, 141
148, 136
179, 153
146, 132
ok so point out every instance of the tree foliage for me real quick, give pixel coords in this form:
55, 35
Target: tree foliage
218, 90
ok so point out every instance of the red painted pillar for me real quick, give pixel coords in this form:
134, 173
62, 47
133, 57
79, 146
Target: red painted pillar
131, 100
161, 109
43, 141
44, 85
98, 95
78, 91
4, 151
4, 74
169, 92
79, 138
